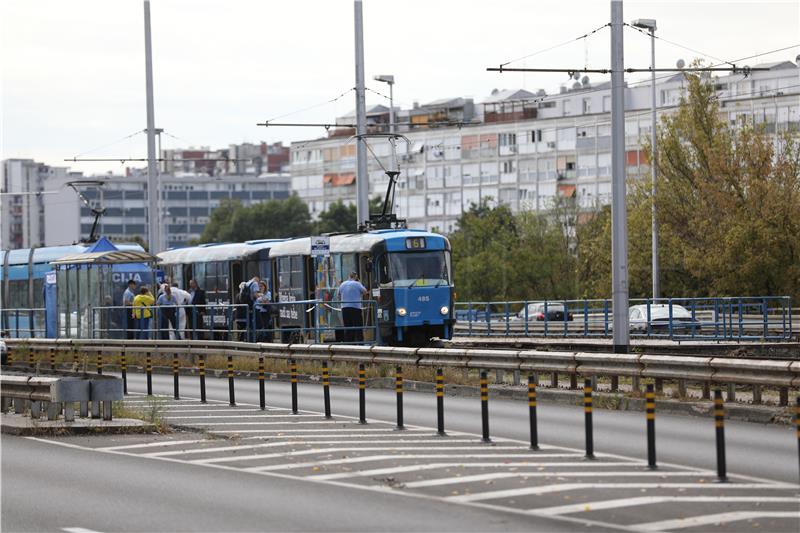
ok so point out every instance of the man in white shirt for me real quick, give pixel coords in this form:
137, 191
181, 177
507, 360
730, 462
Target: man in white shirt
127, 303
184, 298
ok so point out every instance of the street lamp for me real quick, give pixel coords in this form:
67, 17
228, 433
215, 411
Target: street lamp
650, 24
389, 79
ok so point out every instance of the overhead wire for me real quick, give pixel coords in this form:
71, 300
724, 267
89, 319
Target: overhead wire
658, 37
137, 132
326, 102
543, 50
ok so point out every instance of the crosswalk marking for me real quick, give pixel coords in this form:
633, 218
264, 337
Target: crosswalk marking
152, 444
508, 475
648, 500
228, 417
720, 518
563, 487
372, 458
436, 466
317, 451
316, 430
300, 442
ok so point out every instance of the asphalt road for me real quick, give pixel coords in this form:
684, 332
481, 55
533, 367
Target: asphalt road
752, 449
210, 485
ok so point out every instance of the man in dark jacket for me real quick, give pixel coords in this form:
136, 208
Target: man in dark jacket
197, 312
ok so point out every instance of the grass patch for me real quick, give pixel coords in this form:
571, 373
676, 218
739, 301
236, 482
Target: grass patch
152, 412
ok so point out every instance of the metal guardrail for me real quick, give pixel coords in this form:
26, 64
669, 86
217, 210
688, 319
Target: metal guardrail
23, 323
56, 393
780, 373
715, 319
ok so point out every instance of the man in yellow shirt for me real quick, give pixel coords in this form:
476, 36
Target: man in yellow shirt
142, 303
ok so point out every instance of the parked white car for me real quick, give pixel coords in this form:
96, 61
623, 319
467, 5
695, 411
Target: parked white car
659, 318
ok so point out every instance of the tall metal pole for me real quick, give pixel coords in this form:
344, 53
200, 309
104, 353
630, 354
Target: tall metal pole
154, 218
619, 225
362, 183
392, 140
654, 159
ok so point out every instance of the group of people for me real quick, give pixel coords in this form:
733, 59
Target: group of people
181, 312
176, 308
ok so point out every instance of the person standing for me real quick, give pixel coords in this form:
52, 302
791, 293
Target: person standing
127, 304
168, 307
262, 307
184, 299
350, 293
198, 303
142, 311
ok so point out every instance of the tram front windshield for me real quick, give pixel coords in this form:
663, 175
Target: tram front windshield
420, 269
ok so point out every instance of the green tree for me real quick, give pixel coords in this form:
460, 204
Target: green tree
273, 219
339, 217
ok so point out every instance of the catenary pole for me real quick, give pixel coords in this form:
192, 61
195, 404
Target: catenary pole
154, 220
653, 169
619, 225
362, 184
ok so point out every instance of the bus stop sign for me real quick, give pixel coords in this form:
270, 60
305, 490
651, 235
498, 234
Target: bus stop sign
320, 246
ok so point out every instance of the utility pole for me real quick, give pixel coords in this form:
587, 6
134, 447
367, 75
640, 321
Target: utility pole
362, 183
619, 223
154, 216
650, 25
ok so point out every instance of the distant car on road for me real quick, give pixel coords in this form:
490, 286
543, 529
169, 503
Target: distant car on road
659, 318
536, 311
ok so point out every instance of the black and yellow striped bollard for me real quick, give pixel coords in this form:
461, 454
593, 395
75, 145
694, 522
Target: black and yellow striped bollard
485, 406
650, 413
293, 379
176, 370
30, 359
532, 412
148, 369
262, 393
719, 423
231, 393
75, 356
587, 413
398, 389
52, 358
362, 394
326, 389
201, 364
11, 358
99, 363
123, 367
440, 402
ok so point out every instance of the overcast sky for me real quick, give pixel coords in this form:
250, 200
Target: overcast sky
73, 71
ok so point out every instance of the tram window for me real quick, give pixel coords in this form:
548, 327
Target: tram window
17, 294
251, 269
383, 270
285, 272
297, 272
38, 293
348, 265
199, 272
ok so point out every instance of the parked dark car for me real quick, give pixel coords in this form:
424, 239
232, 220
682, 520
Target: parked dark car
536, 311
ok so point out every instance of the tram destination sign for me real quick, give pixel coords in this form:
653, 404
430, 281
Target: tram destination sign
320, 246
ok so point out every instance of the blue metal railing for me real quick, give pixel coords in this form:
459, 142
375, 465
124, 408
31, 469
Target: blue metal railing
766, 318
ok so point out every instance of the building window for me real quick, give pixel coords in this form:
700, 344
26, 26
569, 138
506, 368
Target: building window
606, 104
587, 106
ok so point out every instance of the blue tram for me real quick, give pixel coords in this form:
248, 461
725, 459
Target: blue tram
407, 273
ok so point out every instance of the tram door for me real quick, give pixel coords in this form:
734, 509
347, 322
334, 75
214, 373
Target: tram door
187, 275
367, 275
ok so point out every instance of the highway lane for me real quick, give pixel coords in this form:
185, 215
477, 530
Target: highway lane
767, 451
47, 487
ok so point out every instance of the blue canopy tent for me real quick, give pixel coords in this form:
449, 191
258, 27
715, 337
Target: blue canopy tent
90, 286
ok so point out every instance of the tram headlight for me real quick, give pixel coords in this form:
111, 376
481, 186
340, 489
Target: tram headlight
444, 310
401, 311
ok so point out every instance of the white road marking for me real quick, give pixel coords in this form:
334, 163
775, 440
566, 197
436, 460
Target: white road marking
324, 422
563, 487
151, 445
370, 458
179, 417
317, 451
506, 475
649, 500
434, 466
720, 518
224, 409
311, 430
78, 530
295, 443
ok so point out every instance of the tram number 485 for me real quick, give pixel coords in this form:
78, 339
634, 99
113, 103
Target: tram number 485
423, 298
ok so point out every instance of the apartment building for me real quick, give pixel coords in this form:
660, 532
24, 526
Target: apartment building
521, 148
